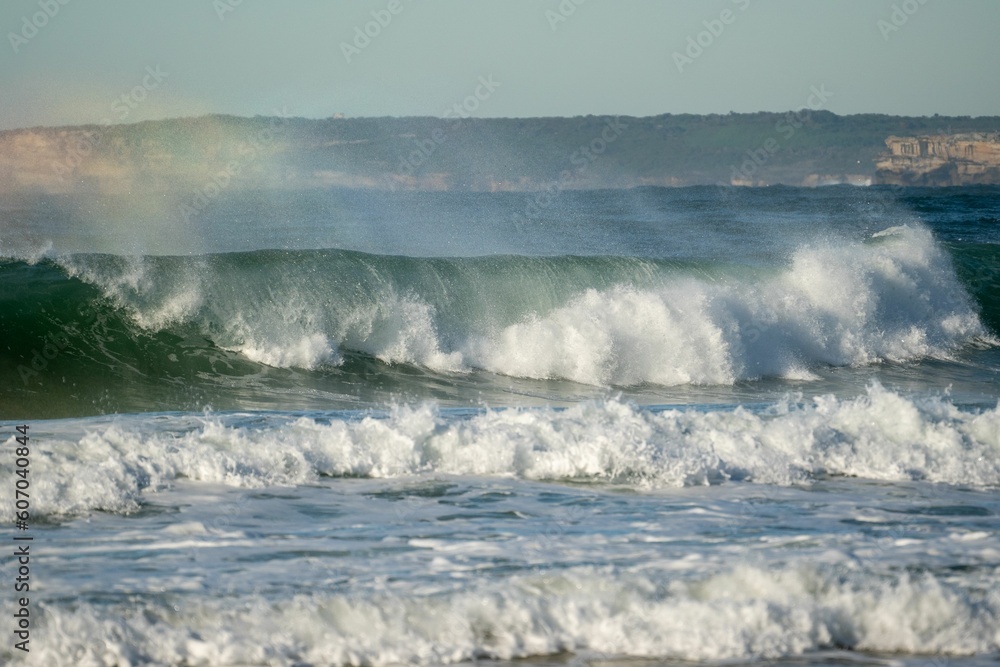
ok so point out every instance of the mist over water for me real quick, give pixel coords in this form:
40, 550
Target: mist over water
741, 224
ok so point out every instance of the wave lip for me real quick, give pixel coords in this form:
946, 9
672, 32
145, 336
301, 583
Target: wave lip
881, 435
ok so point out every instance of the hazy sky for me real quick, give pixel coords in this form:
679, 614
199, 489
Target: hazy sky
73, 63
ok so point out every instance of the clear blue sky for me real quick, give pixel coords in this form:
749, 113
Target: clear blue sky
606, 57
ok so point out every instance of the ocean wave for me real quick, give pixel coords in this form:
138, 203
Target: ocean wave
881, 435
593, 320
743, 613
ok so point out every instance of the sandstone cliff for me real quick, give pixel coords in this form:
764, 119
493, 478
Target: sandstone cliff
939, 160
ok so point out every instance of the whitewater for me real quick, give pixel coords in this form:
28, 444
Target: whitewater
705, 424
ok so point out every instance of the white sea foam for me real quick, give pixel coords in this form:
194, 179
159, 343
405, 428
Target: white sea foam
842, 305
621, 336
881, 435
309, 351
399, 330
743, 613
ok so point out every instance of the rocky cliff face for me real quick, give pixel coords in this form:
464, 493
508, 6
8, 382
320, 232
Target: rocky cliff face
940, 160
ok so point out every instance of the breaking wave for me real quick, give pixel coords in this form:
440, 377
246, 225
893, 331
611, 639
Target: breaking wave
594, 320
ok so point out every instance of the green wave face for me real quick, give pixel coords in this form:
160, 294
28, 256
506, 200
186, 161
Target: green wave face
978, 267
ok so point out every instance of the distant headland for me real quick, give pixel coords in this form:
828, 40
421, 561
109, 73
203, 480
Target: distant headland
210, 153
941, 160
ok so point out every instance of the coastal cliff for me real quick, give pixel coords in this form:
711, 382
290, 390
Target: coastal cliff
208, 154
940, 160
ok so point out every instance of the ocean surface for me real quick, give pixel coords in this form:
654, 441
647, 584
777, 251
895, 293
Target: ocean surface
630, 427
